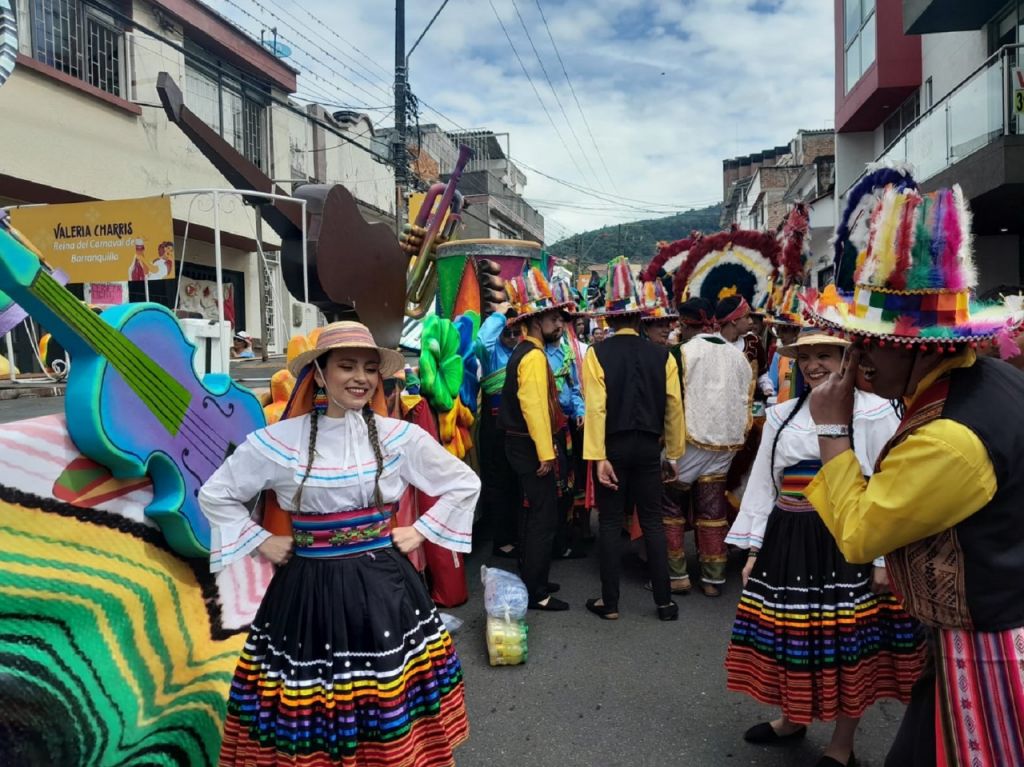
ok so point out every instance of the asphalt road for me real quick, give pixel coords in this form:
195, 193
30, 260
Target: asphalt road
636, 692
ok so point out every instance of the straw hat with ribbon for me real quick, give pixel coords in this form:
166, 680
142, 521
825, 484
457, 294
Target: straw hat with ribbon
347, 335
914, 280
811, 336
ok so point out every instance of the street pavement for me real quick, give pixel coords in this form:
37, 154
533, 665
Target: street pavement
634, 692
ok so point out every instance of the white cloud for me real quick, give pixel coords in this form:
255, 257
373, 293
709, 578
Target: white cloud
670, 87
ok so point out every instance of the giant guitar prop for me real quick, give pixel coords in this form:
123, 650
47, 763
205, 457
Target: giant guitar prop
138, 412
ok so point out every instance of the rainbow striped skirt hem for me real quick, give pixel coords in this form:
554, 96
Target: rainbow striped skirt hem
347, 663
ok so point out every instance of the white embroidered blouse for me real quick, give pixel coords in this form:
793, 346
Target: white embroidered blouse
874, 423
274, 458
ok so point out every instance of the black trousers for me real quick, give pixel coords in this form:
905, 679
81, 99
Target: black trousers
538, 520
636, 458
501, 497
914, 745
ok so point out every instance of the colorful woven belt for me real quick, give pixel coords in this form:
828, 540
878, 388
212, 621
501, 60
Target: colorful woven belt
341, 533
795, 480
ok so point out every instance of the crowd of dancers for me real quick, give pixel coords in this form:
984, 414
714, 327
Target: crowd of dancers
861, 445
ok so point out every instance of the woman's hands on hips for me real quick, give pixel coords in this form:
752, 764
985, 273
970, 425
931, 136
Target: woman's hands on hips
407, 539
277, 548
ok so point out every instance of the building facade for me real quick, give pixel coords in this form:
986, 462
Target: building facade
937, 85
82, 121
761, 189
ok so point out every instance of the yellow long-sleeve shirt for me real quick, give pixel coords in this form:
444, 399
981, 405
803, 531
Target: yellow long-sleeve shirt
596, 400
534, 387
936, 477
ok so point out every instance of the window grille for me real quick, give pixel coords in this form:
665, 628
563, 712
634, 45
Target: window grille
79, 40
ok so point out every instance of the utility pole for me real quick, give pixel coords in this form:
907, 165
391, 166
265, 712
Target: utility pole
620, 241
399, 152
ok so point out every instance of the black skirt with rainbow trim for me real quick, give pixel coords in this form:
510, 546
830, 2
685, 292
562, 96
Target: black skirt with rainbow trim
810, 636
347, 663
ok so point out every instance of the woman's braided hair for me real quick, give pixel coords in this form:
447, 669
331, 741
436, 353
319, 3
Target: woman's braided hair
378, 453
314, 418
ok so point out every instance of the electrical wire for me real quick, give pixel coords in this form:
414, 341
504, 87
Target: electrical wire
558, 100
536, 92
572, 90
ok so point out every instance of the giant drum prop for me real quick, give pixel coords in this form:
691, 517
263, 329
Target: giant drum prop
458, 288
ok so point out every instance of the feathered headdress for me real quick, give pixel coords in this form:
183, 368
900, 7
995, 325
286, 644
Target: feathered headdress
738, 262
655, 302
915, 276
530, 293
795, 244
620, 292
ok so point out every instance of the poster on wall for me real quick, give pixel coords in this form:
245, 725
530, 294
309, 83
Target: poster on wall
199, 299
103, 241
106, 293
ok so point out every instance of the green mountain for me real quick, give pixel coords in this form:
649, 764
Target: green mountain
637, 239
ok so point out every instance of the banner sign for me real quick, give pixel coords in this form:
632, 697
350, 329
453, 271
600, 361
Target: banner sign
103, 241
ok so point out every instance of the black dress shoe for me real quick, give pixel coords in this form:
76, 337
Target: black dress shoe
552, 587
764, 734
603, 611
669, 612
551, 604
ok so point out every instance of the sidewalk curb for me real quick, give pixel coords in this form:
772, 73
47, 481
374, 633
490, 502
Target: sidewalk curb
27, 391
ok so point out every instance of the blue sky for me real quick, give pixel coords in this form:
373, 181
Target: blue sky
670, 88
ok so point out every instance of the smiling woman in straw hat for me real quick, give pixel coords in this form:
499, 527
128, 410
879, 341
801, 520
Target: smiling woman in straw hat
811, 636
346, 610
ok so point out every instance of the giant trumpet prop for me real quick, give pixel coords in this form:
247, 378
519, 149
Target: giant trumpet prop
421, 278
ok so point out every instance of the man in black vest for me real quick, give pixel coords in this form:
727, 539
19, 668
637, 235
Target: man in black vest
530, 415
944, 504
631, 390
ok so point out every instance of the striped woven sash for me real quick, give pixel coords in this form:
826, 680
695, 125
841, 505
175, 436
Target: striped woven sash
342, 533
795, 480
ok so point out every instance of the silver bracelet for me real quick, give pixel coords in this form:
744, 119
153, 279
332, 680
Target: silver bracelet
832, 430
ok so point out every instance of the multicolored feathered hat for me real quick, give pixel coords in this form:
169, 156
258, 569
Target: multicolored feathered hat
785, 307
851, 235
667, 261
562, 293
737, 262
530, 294
915, 276
654, 299
620, 293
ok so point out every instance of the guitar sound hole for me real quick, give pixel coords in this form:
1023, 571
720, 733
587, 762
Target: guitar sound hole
185, 453
226, 412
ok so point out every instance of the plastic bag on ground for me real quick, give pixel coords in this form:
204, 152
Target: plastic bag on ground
505, 594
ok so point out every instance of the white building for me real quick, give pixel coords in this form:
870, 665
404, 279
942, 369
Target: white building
82, 121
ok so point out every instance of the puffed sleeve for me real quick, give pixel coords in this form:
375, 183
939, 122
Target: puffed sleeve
233, 533
747, 531
429, 467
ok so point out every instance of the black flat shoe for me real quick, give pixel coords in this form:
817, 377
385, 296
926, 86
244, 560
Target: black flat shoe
764, 734
669, 612
551, 604
828, 761
603, 612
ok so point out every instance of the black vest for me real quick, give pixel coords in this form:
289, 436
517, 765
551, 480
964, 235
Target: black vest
988, 398
634, 376
971, 575
510, 413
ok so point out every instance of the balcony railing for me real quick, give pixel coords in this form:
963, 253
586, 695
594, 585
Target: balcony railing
971, 116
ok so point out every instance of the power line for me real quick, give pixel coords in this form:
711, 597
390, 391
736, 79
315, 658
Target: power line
535, 91
575, 97
554, 93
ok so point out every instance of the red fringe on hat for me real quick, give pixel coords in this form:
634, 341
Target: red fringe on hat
795, 236
904, 243
760, 241
665, 252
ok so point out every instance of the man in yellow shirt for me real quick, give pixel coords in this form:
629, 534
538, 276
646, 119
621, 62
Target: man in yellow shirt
530, 416
632, 400
944, 504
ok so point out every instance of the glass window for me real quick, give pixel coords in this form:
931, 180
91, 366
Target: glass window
224, 100
79, 40
860, 36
